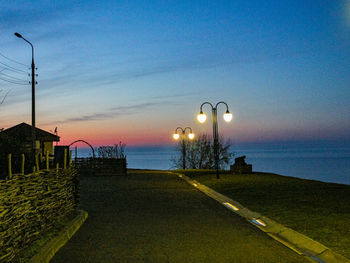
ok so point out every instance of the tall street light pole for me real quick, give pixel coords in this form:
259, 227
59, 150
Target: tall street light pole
227, 117
33, 97
183, 145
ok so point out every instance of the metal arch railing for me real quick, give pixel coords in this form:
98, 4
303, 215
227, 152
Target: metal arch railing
92, 148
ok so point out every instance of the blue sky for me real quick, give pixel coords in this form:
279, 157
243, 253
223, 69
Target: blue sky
136, 70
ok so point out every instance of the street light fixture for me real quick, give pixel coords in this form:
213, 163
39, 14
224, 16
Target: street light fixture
202, 118
33, 97
176, 136
191, 136
228, 116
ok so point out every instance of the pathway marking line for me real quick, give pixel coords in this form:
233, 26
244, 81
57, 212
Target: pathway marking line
230, 206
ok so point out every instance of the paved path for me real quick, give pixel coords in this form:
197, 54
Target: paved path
156, 217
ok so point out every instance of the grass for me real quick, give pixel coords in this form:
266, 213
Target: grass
318, 210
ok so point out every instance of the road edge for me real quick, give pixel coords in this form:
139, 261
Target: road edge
47, 252
296, 241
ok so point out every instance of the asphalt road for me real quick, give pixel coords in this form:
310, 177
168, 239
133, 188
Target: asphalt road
156, 217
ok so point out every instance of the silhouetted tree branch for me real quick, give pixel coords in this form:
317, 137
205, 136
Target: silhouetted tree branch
200, 153
115, 151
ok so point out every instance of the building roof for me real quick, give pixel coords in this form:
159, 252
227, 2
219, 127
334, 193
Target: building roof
23, 131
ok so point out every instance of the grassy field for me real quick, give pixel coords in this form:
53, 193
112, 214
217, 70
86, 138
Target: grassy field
316, 209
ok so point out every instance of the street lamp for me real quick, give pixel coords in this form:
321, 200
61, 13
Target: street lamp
202, 118
176, 136
33, 97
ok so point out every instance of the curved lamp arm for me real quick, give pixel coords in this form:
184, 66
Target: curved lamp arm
227, 116
184, 130
212, 107
222, 102
20, 36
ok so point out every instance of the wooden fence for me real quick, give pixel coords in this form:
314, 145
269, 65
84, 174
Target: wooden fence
31, 204
100, 166
18, 164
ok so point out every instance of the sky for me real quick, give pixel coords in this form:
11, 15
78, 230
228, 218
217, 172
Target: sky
133, 71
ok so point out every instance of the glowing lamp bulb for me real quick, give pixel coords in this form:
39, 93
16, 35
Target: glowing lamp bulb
176, 136
228, 116
201, 117
191, 136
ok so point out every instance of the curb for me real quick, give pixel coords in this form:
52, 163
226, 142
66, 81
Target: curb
47, 252
299, 243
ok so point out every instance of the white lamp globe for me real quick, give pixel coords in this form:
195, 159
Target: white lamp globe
201, 117
176, 136
228, 116
191, 136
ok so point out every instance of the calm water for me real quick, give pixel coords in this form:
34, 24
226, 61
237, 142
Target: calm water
328, 165
324, 164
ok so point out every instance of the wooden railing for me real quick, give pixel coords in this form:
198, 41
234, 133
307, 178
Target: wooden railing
100, 166
8, 167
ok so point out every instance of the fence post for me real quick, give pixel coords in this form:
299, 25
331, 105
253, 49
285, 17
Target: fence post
70, 158
47, 161
65, 159
23, 162
10, 165
57, 167
37, 162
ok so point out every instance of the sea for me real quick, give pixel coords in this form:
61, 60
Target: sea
327, 164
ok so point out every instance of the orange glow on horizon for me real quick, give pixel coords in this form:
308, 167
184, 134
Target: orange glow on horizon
101, 136
131, 140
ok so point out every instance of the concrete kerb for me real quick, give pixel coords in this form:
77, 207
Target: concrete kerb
47, 252
299, 243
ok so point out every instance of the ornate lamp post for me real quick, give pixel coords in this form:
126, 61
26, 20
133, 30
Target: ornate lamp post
33, 96
202, 118
176, 136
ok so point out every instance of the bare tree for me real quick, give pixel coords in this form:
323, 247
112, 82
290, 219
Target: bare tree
200, 153
115, 151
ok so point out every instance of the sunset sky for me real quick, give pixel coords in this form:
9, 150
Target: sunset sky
133, 71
